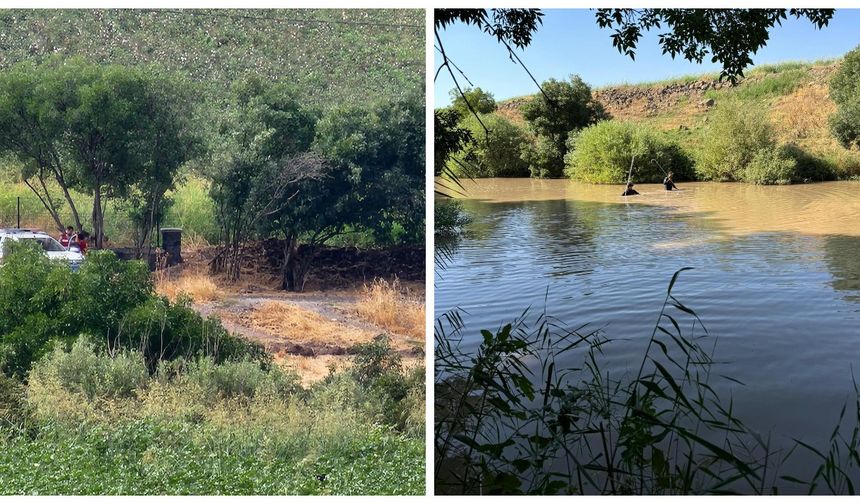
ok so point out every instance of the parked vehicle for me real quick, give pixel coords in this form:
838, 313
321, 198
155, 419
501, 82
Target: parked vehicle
53, 249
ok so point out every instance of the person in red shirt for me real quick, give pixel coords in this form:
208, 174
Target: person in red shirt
81, 240
66, 237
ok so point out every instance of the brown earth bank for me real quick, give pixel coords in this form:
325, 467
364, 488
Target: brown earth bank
351, 296
627, 101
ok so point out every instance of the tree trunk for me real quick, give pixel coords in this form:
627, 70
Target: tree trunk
291, 250
98, 217
61, 181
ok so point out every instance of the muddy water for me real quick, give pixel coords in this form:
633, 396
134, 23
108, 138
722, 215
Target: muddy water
776, 279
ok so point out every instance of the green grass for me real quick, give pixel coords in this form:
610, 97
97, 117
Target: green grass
182, 458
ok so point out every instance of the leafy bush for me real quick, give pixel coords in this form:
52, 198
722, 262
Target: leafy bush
13, 405
42, 302
845, 123
544, 157
81, 370
770, 166
164, 331
735, 134
602, 154
496, 151
845, 92
239, 379
810, 168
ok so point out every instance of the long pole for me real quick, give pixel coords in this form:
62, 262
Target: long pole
630, 172
19, 212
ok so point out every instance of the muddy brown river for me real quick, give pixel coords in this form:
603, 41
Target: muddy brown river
776, 279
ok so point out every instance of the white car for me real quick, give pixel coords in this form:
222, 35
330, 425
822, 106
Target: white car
53, 249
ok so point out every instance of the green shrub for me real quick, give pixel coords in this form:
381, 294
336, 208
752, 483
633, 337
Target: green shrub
481, 101
165, 331
240, 379
14, 413
544, 157
42, 302
845, 123
845, 92
735, 134
82, 370
602, 154
770, 166
495, 152
561, 108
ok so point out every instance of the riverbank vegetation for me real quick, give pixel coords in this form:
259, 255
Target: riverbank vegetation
511, 420
109, 388
780, 124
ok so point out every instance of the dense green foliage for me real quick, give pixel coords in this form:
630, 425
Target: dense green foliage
610, 151
92, 423
479, 101
496, 151
43, 304
770, 166
735, 134
845, 91
382, 147
560, 108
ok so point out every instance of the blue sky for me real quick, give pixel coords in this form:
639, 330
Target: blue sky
570, 42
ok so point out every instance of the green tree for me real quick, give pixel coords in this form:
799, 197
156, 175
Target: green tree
561, 108
33, 123
264, 127
845, 91
496, 152
382, 147
472, 101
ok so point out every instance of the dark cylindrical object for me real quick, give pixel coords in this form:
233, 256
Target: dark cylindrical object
19, 212
171, 242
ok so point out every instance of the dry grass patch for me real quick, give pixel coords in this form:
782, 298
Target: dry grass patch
300, 325
385, 304
313, 369
199, 287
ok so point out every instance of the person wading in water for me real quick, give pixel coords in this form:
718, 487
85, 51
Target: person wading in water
629, 191
667, 182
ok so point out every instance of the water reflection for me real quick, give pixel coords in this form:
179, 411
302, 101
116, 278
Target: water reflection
843, 259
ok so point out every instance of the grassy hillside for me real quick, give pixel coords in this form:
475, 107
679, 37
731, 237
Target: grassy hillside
331, 56
794, 96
